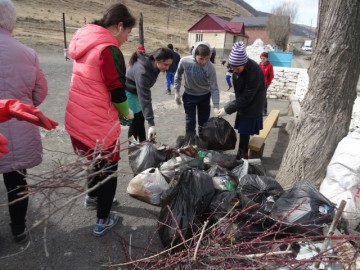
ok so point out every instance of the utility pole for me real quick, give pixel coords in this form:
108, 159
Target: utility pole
65, 43
141, 30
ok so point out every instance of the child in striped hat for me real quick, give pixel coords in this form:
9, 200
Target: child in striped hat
248, 83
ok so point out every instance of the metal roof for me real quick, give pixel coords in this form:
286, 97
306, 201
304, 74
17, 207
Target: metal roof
210, 22
251, 21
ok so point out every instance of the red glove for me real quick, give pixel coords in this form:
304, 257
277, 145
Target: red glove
25, 112
3, 145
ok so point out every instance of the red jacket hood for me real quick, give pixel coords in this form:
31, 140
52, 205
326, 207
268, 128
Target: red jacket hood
87, 37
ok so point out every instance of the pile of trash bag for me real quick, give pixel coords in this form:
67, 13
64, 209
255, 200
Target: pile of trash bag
193, 184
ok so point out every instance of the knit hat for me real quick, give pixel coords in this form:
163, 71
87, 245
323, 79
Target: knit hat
238, 55
7, 15
141, 48
264, 54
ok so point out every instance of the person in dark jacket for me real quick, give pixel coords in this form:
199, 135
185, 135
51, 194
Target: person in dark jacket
170, 73
248, 82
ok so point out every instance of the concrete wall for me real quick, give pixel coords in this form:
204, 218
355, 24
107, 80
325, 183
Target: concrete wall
214, 39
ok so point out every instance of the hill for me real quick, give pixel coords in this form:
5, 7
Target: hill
39, 22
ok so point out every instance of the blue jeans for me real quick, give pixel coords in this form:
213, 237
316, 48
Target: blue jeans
169, 79
228, 80
191, 103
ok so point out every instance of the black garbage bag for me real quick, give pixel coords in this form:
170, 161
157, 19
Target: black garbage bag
146, 155
256, 167
222, 203
191, 139
183, 207
241, 169
223, 179
224, 160
263, 190
237, 216
303, 209
173, 168
219, 134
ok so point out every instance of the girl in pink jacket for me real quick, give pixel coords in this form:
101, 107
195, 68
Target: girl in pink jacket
96, 100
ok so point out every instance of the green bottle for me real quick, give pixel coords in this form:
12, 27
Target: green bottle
230, 185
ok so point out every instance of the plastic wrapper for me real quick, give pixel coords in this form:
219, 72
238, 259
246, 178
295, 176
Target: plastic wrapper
223, 179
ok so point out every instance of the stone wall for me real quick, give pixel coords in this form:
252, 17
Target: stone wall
293, 82
288, 81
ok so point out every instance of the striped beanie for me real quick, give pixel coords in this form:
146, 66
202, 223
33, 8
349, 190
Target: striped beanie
238, 55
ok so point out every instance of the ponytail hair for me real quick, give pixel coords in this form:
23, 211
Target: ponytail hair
115, 14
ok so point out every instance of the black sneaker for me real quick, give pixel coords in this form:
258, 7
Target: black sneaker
22, 237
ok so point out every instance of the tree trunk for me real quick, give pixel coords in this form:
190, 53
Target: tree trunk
327, 107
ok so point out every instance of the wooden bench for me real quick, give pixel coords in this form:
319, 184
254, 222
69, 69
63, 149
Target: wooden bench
257, 142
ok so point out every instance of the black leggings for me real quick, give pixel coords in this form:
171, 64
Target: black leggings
15, 183
243, 145
105, 193
137, 128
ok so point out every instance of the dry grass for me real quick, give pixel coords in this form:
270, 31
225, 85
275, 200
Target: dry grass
39, 23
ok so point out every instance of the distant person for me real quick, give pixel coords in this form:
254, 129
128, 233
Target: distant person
176, 50
200, 85
96, 101
228, 76
268, 70
170, 73
22, 79
141, 48
213, 55
248, 82
191, 50
141, 75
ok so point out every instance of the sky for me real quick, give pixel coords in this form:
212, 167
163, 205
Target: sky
307, 9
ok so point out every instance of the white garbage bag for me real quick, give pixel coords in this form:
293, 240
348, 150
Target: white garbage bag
342, 181
148, 186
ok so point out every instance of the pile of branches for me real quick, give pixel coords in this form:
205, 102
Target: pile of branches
242, 240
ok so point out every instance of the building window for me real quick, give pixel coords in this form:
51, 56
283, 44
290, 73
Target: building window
199, 37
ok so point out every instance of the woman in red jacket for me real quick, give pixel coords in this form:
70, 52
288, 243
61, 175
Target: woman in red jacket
96, 101
268, 71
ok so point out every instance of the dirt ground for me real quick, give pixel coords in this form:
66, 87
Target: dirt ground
65, 240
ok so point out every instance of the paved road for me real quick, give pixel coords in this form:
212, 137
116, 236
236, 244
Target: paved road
65, 241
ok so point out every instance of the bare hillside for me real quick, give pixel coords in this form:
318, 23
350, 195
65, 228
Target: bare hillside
39, 23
